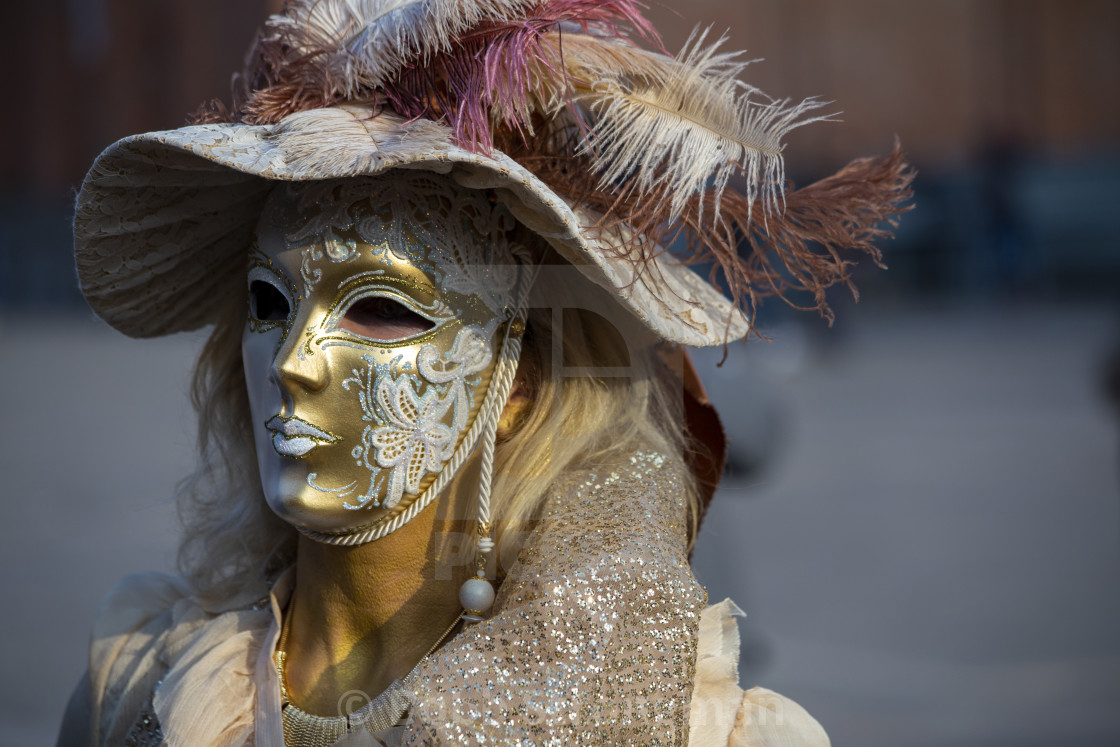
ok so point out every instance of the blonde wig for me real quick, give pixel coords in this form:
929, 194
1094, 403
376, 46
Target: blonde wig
594, 399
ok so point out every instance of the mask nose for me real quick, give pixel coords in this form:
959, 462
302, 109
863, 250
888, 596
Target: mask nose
299, 364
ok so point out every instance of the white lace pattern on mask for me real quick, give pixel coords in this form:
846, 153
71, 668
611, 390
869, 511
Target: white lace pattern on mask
405, 413
414, 411
395, 217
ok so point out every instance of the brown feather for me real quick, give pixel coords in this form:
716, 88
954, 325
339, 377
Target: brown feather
807, 246
789, 244
211, 111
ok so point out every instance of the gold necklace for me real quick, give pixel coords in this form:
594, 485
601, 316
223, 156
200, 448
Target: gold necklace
303, 729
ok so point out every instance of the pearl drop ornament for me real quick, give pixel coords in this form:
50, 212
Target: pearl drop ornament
476, 594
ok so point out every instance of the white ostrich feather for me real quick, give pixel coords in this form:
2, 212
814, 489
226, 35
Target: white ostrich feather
679, 124
365, 42
346, 140
684, 124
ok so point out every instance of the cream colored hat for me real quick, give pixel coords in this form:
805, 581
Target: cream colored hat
164, 218
605, 159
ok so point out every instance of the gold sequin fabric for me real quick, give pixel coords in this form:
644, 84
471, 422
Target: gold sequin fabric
593, 640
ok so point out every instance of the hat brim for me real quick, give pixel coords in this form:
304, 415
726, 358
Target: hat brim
163, 219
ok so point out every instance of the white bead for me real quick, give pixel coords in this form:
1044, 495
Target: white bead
476, 594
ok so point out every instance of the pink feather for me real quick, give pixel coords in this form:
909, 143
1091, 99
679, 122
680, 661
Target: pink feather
484, 76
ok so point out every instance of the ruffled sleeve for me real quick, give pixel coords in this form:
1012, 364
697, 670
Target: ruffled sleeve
722, 713
208, 695
125, 662
181, 674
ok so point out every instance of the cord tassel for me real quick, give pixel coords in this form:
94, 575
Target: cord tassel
477, 593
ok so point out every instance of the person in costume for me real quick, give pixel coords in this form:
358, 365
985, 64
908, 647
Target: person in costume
453, 458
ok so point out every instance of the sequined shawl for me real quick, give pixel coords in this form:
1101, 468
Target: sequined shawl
593, 641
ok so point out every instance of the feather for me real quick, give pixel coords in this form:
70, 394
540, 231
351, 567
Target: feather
490, 75
805, 248
323, 141
679, 125
808, 247
318, 52
323, 51
647, 140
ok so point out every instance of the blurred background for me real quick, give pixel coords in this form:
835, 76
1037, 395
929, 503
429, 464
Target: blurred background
922, 518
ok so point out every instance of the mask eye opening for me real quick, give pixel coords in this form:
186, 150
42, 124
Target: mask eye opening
267, 303
383, 318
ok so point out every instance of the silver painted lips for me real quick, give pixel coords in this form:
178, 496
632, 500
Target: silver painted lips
294, 437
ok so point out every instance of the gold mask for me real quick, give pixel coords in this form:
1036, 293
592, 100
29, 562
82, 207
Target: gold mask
377, 308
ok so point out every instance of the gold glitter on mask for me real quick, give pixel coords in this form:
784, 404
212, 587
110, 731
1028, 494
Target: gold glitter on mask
377, 307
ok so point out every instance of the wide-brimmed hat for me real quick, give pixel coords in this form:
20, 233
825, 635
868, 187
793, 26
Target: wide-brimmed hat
164, 218
607, 150
630, 163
